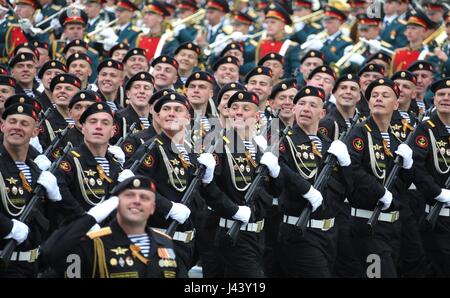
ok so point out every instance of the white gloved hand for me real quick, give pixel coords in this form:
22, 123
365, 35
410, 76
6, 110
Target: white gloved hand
19, 231
261, 142
42, 162
406, 153
25, 25
207, 159
339, 149
118, 153
34, 141
357, 59
48, 180
237, 36
125, 174
313, 44
55, 24
219, 48
179, 212
102, 210
314, 197
95, 227
243, 214
386, 199
374, 46
271, 162
444, 196
109, 43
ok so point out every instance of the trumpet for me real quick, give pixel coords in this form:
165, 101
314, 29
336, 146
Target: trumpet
76, 4
312, 17
322, 36
101, 27
383, 49
192, 19
438, 36
359, 48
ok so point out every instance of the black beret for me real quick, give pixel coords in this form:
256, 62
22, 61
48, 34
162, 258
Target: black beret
229, 87
310, 91
221, 5
200, 76
283, 86
173, 97
243, 96
232, 46
440, 84
348, 77
371, 67
382, 82
110, 63
26, 45
271, 56
66, 78
225, 60
6, 80
119, 46
165, 59
52, 64
135, 182
41, 44
160, 93
404, 75
75, 43
140, 76
23, 99
313, 54
188, 46
380, 56
85, 95
133, 52
73, 16
259, 70
22, 57
78, 56
23, 109
421, 65
101, 107
322, 69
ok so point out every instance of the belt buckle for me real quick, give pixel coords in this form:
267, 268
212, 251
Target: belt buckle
34, 253
189, 236
326, 224
393, 216
259, 226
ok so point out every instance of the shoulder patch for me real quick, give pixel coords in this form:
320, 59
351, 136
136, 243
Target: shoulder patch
99, 233
148, 161
128, 148
358, 144
422, 142
74, 153
431, 124
161, 233
65, 166
323, 130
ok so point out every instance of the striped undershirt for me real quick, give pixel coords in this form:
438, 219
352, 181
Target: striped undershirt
104, 163
385, 136
251, 148
421, 105
349, 124
317, 141
183, 152
69, 121
205, 122
23, 167
405, 115
448, 128
145, 122
143, 241
29, 92
112, 105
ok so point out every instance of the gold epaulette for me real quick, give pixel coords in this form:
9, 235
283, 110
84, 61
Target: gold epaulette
315, 25
135, 28
99, 233
76, 154
56, 7
161, 233
346, 38
368, 127
431, 123
403, 22
386, 44
159, 141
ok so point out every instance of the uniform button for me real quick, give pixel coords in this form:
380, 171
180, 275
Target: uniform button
272, 44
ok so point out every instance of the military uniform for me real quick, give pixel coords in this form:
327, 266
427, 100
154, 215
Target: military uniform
334, 48
53, 124
109, 253
47, 11
124, 118
333, 125
301, 34
150, 43
132, 143
128, 34
401, 126
394, 33
287, 48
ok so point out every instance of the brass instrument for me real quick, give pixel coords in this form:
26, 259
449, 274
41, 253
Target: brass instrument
195, 18
322, 36
312, 17
438, 36
56, 14
359, 48
383, 49
101, 27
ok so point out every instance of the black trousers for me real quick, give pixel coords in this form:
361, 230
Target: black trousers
211, 261
437, 246
272, 248
185, 257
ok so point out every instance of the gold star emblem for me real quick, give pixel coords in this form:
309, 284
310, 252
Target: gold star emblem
12, 181
175, 162
377, 147
240, 159
441, 143
303, 147
90, 173
119, 250
396, 127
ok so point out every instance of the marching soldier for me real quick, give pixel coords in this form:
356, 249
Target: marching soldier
109, 82
23, 68
311, 60
226, 70
259, 81
7, 89
393, 31
303, 8
134, 61
216, 11
46, 74
282, 98
75, 46
187, 56
184, 33
423, 71
275, 62
126, 248
367, 74
165, 72
119, 51
224, 95
322, 77
80, 65
126, 31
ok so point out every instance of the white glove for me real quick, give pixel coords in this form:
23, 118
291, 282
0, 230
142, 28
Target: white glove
55, 24
339, 149
374, 46
357, 59
207, 159
219, 48
386, 199
243, 214
406, 153
102, 210
271, 162
179, 212
19, 231
314, 197
95, 227
444, 196
48, 180
237, 36
261, 142
42, 162
313, 44
125, 174
26, 25
34, 141
118, 153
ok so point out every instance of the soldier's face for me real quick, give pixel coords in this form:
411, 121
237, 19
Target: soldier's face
284, 101
123, 15
186, 59
367, 77
78, 109
382, 101
118, 55
165, 75
213, 16
274, 26
407, 90
301, 11
308, 111
18, 129
199, 92
261, 85
48, 76
241, 27
109, 80
43, 57
135, 206
25, 11
414, 33
92, 9
227, 73
347, 94
243, 115
390, 7
237, 54
442, 101
276, 67
62, 93
424, 80
24, 72
309, 64
140, 93
81, 69
98, 129
74, 31
331, 25
173, 118
5, 92
322, 80
151, 19
222, 107
136, 64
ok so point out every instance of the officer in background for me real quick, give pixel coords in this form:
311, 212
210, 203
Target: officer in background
393, 31
126, 32
46, 74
